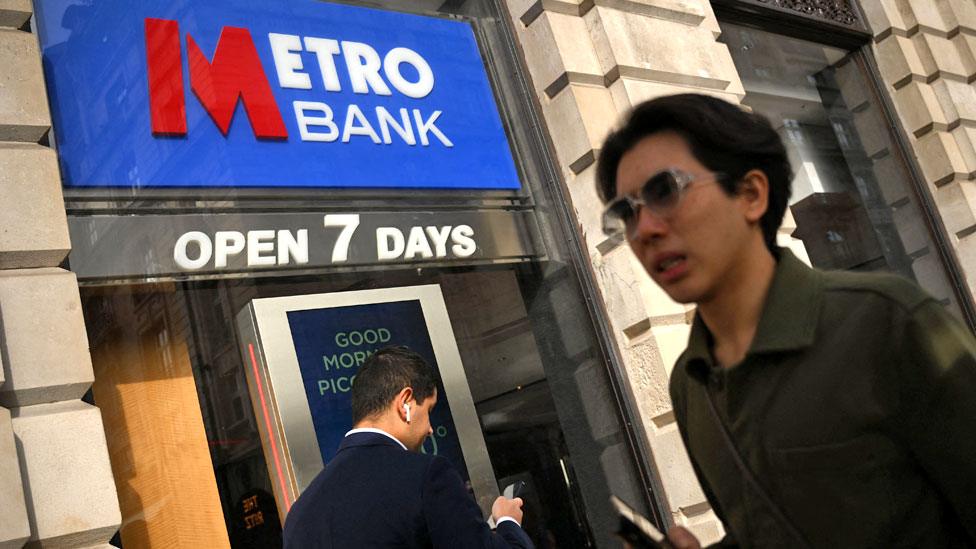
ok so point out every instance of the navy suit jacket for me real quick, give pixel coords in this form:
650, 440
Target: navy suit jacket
376, 494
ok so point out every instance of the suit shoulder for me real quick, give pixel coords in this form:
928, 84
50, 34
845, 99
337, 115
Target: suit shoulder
893, 288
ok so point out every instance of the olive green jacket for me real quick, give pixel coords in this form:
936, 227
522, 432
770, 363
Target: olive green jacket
855, 409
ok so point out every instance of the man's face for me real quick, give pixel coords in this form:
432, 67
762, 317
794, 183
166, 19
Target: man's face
690, 248
419, 427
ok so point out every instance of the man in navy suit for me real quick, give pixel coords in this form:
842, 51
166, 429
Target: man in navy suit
380, 491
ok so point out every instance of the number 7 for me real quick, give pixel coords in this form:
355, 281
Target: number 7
348, 222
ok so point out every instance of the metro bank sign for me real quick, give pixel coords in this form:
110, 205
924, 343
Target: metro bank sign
240, 93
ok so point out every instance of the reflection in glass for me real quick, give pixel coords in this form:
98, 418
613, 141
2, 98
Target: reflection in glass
853, 201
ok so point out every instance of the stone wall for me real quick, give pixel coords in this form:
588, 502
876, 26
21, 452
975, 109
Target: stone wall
590, 61
56, 486
926, 50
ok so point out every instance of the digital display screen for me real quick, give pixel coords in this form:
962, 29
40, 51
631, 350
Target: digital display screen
331, 345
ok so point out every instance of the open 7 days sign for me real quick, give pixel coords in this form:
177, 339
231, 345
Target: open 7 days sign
246, 93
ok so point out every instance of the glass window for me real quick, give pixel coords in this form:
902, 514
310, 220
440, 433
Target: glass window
532, 365
853, 202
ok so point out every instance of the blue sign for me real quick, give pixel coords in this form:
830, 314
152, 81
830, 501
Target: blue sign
332, 344
245, 93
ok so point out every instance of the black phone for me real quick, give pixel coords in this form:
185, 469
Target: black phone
514, 490
636, 530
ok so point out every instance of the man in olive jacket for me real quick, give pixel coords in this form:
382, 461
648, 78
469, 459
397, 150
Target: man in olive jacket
819, 409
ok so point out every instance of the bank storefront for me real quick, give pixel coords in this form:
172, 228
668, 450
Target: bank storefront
259, 196
214, 211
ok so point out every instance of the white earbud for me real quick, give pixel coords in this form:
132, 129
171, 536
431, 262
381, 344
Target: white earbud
406, 408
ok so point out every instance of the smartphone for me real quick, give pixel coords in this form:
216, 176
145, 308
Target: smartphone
514, 490
636, 530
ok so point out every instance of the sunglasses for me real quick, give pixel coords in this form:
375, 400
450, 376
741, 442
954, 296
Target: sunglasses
660, 194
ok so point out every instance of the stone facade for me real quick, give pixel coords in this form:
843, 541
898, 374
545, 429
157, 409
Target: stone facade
926, 51
56, 485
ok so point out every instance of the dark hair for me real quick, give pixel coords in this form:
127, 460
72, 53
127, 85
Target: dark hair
722, 136
384, 374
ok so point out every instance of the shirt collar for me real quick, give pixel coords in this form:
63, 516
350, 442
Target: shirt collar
376, 431
788, 320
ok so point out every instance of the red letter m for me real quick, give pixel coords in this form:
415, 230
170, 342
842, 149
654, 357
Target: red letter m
235, 72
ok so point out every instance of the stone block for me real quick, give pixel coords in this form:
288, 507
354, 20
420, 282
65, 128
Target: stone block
705, 526
588, 206
14, 527
660, 50
518, 10
966, 46
627, 92
928, 16
14, 13
616, 274
965, 137
648, 376
919, 108
939, 157
898, 60
966, 251
711, 22
579, 118
962, 13
68, 484
688, 12
883, 17
956, 202
43, 333
34, 230
24, 114
558, 50
568, 132
939, 55
957, 100
681, 487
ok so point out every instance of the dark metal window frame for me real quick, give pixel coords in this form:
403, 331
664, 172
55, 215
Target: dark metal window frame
857, 38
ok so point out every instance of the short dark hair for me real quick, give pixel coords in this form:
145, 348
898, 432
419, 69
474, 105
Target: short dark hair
722, 136
384, 374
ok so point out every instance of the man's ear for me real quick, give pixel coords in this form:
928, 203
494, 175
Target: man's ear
403, 397
753, 195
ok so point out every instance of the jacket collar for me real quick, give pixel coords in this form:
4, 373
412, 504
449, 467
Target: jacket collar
369, 437
788, 321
